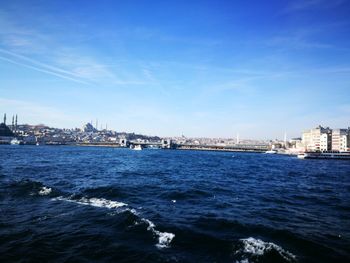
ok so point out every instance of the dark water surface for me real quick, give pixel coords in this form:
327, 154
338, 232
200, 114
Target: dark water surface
87, 204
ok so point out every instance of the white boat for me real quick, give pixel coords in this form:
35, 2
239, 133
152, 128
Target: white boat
15, 141
136, 147
325, 155
271, 152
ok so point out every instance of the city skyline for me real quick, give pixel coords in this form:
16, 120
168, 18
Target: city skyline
202, 69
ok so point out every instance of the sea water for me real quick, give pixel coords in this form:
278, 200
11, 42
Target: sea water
90, 204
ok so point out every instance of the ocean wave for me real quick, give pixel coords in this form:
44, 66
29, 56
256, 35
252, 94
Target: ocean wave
45, 190
164, 238
25, 187
252, 249
96, 202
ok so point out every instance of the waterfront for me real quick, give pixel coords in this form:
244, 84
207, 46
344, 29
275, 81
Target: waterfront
117, 205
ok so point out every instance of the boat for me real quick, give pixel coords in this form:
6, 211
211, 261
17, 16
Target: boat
271, 152
136, 147
325, 155
15, 141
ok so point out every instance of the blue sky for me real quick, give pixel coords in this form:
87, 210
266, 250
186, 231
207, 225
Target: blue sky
198, 68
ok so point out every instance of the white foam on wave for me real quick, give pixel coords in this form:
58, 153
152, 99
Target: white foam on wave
45, 190
164, 238
96, 202
258, 247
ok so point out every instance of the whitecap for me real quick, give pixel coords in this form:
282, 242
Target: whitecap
96, 202
45, 190
164, 238
150, 224
258, 247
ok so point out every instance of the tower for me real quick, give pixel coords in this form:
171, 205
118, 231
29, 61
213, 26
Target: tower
5, 118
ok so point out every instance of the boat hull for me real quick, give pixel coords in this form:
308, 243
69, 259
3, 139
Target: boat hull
337, 156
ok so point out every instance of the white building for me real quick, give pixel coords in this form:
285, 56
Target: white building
317, 139
340, 140
325, 142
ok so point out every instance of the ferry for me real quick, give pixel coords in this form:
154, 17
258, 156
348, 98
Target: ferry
271, 152
15, 141
136, 147
325, 155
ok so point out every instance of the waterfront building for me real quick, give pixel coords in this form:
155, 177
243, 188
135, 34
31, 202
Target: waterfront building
325, 142
317, 139
340, 140
325, 139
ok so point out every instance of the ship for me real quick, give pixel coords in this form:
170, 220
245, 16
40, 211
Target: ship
325, 155
271, 152
136, 147
15, 141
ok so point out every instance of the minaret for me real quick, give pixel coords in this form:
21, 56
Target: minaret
237, 139
16, 123
5, 118
285, 139
13, 123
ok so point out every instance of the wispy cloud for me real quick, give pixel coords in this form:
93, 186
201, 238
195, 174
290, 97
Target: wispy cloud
68, 66
44, 53
38, 66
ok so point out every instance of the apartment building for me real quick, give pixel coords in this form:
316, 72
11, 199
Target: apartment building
340, 140
317, 139
325, 139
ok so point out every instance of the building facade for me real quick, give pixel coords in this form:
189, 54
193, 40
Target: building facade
340, 140
325, 139
317, 139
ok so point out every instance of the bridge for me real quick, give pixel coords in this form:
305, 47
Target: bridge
167, 144
164, 143
229, 148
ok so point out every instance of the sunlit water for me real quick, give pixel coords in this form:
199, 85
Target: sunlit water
82, 204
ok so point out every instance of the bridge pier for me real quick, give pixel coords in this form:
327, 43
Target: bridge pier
124, 142
166, 143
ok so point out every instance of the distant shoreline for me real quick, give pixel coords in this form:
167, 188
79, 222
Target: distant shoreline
211, 149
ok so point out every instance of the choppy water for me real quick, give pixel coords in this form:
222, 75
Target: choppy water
77, 204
